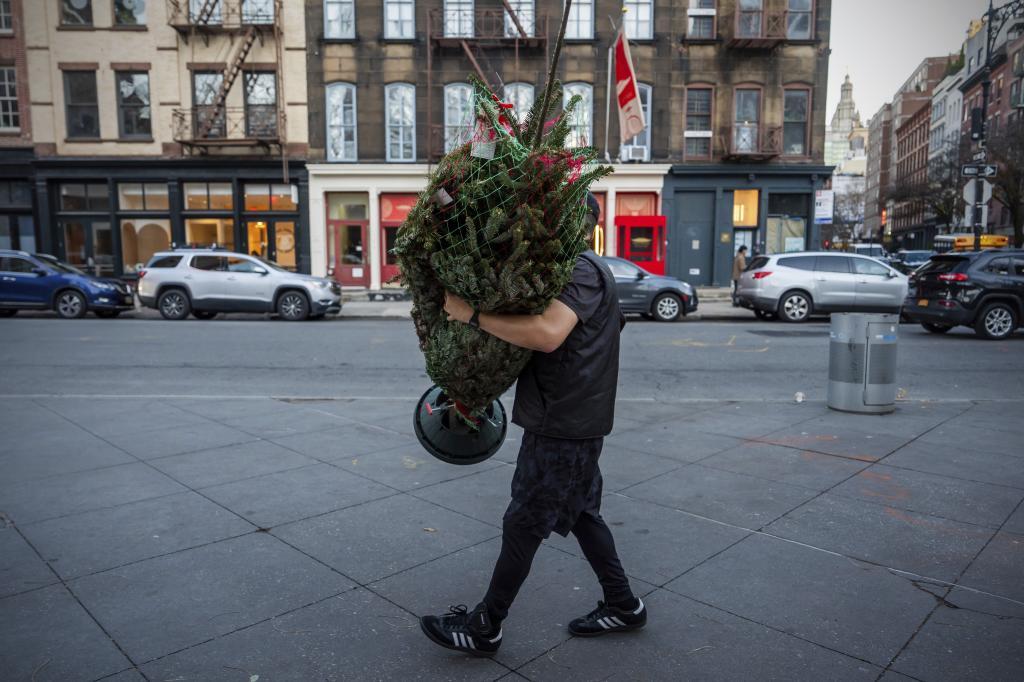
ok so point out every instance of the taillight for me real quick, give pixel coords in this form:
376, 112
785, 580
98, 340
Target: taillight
761, 274
954, 277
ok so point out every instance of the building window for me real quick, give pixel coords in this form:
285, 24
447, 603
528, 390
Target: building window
399, 19
458, 115
339, 19
639, 148
261, 104
204, 11
581, 128
701, 16
746, 121
796, 107
208, 196
581, 21
458, 18
133, 110
520, 96
129, 13
744, 207
10, 119
77, 197
6, 23
208, 120
257, 11
798, 19
139, 196
76, 12
751, 17
638, 19
82, 110
400, 113
698, 123
140, 239
341, 122
271, 197
527, 18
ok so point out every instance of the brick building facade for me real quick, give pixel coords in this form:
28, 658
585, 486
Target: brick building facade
17, 223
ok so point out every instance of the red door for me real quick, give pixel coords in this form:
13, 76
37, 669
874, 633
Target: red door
394, 209
351, 266
642, 241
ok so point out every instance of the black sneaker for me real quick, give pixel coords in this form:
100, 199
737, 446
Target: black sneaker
472, 632
605, 619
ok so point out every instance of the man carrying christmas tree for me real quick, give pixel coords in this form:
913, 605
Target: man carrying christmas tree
565, 402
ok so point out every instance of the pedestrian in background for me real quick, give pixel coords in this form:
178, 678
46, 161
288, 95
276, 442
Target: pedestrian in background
739, 264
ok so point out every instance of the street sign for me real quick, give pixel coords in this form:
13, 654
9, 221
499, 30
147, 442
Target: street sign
980, 156
971, 170
970, 191
824, 206
969, 216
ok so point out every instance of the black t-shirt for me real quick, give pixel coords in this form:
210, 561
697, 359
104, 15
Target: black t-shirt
570, 393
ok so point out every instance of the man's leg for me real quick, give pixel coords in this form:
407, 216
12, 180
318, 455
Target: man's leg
598, 546
518, 547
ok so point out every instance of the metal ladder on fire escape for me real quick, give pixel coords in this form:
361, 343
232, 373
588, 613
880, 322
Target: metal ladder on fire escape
241, 52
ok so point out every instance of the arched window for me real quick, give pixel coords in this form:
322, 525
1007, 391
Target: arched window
342, 144
458, 115
639, 148
400, 119
520, 96
582, 123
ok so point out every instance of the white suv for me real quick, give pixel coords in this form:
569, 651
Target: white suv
205, 282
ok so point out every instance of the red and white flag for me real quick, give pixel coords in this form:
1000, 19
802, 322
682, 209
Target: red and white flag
631, 114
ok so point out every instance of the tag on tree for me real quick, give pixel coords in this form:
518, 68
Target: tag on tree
483, 150
442, 197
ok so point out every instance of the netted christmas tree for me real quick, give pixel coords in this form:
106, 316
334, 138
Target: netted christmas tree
500, 225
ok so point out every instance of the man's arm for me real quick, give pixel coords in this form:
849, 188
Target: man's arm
545, 332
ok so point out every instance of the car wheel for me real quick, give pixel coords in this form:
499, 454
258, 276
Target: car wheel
70, 304
293, 306
174, 305
203, 314
795, 306
667, 308
108, 314
8, 313
997, 321
936, 328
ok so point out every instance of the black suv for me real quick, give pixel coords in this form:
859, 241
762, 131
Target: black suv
984, 290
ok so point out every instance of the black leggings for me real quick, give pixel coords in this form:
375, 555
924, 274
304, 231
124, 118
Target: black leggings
518, 547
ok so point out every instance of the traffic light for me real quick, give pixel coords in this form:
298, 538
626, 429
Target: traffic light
977, 124
885, 217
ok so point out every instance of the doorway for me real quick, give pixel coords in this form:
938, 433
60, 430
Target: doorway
350, 255
272, 240
642, 241
88, 245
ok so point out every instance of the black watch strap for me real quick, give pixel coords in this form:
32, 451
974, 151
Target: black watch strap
475, 320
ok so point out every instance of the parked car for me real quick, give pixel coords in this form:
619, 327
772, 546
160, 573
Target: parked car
36, 281
908, 261
869, 249
654, 296
796, 285
983, 290
204, 282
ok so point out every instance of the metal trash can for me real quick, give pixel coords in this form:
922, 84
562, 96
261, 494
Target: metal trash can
862, 363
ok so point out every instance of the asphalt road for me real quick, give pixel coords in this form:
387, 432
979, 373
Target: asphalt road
379, 358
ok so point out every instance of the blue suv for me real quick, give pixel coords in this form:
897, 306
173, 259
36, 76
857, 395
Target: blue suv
35, 281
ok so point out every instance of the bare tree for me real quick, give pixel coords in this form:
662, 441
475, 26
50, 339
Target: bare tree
848, 214
1006, 148
940, 194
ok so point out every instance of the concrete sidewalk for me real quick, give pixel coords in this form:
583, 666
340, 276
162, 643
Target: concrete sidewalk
270, 539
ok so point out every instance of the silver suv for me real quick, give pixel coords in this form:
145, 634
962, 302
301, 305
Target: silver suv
795, 285
205, 282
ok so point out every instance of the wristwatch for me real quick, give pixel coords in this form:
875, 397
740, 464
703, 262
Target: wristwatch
474, 321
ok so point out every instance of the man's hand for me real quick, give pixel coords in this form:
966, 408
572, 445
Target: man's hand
456, 308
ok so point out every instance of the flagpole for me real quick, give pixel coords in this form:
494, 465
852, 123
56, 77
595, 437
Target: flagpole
608, 92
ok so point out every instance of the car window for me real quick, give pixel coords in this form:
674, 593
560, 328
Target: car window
832, 264
1018, 266
622, 270
998, 266
941, 265
209, 262
863, 266
757, 263
236, 264
164, 262
798, 262
16, 264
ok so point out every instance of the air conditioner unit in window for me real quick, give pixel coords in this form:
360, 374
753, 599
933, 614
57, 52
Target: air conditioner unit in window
634, 152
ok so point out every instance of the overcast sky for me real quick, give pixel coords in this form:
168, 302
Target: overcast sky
880, 42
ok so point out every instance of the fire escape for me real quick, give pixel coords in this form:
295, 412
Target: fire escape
477, 33
236, 25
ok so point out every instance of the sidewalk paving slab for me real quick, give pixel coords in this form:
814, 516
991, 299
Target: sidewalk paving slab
803, 468
958, 462
21, 568
998, 568
229, 463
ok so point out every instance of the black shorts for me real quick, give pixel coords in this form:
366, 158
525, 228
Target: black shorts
556, 480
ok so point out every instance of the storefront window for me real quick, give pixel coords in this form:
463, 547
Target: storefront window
262, 197
347, 206
257, 239
76, 197
744, 208
208, 196
786, 226
141, 238
207, 232
135, 196
284, 244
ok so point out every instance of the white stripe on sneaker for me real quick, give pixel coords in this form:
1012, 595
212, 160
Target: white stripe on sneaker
616, 621
603, 623
640, 607
496, 639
